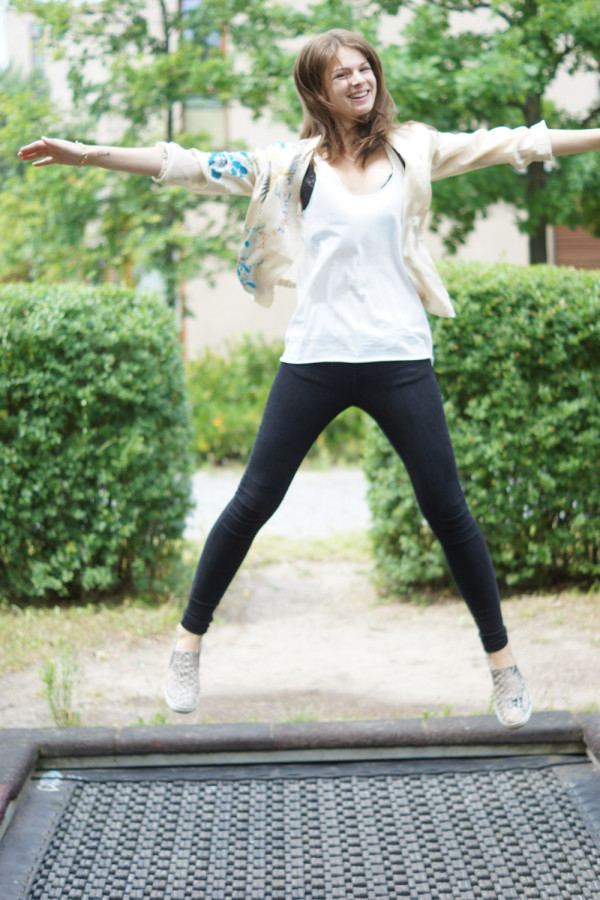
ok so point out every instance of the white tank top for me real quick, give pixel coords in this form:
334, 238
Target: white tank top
356, 302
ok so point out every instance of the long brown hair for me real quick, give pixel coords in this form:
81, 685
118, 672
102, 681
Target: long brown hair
371, 130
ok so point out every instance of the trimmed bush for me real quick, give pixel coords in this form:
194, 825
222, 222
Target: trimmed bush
519, 370
94, 440
228, 393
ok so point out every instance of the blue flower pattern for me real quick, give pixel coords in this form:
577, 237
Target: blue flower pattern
277, 179
245, 267
234, 164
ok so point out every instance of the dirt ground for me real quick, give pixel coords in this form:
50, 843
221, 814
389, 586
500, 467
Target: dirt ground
311, 640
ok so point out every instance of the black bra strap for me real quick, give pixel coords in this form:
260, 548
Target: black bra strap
308, 182
400, 157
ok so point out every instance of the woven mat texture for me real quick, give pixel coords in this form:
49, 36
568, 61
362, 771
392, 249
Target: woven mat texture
494, 835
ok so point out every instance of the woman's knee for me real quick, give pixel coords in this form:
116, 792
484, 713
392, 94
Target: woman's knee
253, 504
450, 520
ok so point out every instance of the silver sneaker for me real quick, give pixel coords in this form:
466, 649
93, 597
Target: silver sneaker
182, 684
512, 702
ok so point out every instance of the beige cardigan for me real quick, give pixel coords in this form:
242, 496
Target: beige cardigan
272, 178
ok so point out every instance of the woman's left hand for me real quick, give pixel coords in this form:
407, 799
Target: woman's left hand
50, 151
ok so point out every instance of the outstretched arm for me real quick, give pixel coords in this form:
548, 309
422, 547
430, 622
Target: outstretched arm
51, 151
566, 141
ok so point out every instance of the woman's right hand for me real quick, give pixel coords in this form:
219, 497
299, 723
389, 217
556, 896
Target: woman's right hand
51, 151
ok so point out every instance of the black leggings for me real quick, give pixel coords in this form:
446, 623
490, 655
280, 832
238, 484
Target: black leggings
404, 399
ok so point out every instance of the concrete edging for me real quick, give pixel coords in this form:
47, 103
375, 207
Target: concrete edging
21, 749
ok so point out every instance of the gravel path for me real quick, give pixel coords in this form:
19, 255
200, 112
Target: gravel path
318, 503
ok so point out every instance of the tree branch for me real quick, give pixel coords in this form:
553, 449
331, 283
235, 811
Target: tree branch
470, 7
593, 114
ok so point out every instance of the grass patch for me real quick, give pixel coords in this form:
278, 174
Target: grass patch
33, 634
61, 680
268, 549
350, 547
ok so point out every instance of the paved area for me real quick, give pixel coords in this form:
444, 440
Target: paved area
317, 504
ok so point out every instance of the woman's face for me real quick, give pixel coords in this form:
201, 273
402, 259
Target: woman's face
350, 84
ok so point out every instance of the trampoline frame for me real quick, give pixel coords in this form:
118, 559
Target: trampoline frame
229, 750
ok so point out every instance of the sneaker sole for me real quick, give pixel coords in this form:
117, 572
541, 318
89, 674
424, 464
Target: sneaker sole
179, 709
520, 724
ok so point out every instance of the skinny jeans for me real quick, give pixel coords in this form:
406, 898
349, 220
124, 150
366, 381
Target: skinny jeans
404, 399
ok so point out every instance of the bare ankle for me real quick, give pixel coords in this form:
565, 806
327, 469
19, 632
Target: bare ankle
187, 640
500, 659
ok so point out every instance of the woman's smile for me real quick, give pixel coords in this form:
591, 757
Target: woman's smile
351, 84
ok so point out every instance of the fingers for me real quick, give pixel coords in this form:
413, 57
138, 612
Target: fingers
27, 151
34, 150
37, 159
48, 151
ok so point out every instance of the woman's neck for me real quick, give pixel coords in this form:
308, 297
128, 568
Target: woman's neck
350, 145
351, 152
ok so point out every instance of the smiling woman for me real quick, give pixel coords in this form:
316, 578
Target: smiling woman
351, 85
350, 91
350, 199
342, 89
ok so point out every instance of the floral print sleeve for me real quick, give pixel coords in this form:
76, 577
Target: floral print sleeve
271, 178
234, 164
208, 173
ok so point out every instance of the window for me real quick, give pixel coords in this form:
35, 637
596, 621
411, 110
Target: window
36, 46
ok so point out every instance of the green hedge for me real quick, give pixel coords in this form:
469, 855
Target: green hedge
228, 393
94, 439
519, 370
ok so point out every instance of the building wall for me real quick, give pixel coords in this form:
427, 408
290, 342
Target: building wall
4, 54
576, 247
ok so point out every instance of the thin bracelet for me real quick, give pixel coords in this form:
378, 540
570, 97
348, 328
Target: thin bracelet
84, 156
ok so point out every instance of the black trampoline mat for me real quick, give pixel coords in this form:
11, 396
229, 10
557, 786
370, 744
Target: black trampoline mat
367, 832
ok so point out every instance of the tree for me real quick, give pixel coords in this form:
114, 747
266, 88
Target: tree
143, 67
497, 69
462, 64
457, 64
43, 221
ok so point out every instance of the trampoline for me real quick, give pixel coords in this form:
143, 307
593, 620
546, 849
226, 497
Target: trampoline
299, 828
